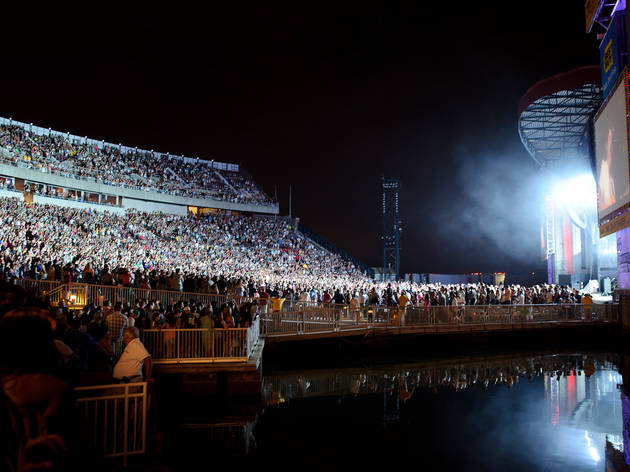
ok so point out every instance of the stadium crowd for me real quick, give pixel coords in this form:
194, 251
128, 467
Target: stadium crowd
135, 169
250, 260
247, 256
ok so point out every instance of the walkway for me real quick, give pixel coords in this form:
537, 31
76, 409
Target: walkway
341, 321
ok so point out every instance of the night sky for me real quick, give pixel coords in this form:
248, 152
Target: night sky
325, 98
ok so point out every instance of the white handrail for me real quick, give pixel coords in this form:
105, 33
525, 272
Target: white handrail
197, 345
114, 417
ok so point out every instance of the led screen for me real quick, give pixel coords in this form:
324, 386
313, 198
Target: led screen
611, 153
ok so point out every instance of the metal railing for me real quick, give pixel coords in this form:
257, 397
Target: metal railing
311, 315
114, 418
334, 318
37, 286
174, 346
100, 293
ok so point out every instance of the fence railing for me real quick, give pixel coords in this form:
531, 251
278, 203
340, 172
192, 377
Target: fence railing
37, 286
114, 418
172, 346
100, 293
311, 319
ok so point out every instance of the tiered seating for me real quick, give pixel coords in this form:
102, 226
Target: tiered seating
135, 169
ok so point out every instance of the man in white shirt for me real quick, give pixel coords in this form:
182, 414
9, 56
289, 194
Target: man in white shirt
135, 362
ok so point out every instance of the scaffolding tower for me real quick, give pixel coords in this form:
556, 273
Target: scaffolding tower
391, 227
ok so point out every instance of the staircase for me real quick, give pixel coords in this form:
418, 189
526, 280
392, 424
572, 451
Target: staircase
73, 295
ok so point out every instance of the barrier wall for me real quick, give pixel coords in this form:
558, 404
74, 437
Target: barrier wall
154, 206
33, 175
69, 203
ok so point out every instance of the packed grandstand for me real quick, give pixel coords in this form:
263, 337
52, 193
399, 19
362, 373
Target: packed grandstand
219, 252
80, 158
222, 254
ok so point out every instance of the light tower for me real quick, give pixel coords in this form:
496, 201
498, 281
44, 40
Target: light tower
391, 227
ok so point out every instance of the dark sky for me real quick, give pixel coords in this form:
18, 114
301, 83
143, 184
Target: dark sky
326, 99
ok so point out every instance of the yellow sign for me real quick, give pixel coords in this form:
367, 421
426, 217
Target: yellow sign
608, 60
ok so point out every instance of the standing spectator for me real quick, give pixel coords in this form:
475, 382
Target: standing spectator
338, 298
117, 322
276, 303
177, 281
82, 343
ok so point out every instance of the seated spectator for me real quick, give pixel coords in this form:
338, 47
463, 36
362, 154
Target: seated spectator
83, 344
134, 364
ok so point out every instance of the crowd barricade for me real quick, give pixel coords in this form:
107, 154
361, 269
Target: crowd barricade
417, 315
172, 346
98, 294
101, 293
307, 316
114, 418
253, 335
38, 286
295, 305
327, 317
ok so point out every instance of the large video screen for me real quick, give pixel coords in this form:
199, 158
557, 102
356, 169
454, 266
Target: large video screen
611, 154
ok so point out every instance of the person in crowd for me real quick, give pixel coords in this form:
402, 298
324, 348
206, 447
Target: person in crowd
134, 364
36, 392
117, 323
82, 343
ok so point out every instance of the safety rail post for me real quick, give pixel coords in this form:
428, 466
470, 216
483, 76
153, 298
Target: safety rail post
212, 340
302, 325
178, 344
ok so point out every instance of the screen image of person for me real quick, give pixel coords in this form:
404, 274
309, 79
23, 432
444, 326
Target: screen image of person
606, 184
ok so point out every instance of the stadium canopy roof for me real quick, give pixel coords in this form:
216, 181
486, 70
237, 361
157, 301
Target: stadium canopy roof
554, 115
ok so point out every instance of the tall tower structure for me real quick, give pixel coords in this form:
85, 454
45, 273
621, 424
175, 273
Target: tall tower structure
391, 227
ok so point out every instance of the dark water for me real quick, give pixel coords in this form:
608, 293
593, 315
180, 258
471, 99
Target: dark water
537, 411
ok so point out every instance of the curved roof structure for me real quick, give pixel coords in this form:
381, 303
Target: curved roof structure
554, 115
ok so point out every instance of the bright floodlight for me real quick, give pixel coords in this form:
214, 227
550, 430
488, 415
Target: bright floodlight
579, 193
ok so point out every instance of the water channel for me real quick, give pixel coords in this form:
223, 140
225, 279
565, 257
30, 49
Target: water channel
541, 410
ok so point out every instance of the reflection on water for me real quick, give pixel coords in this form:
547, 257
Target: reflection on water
526, 412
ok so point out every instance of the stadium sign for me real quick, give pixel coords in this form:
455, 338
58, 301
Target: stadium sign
613, 52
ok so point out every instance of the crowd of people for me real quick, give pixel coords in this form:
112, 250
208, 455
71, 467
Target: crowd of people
134, 169
242, 256
41, 344
161, 251
255, 262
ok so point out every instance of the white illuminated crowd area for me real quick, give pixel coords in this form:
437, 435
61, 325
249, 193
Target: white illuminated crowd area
250, 255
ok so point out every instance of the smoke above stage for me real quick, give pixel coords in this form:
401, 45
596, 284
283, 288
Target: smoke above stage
492, 220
